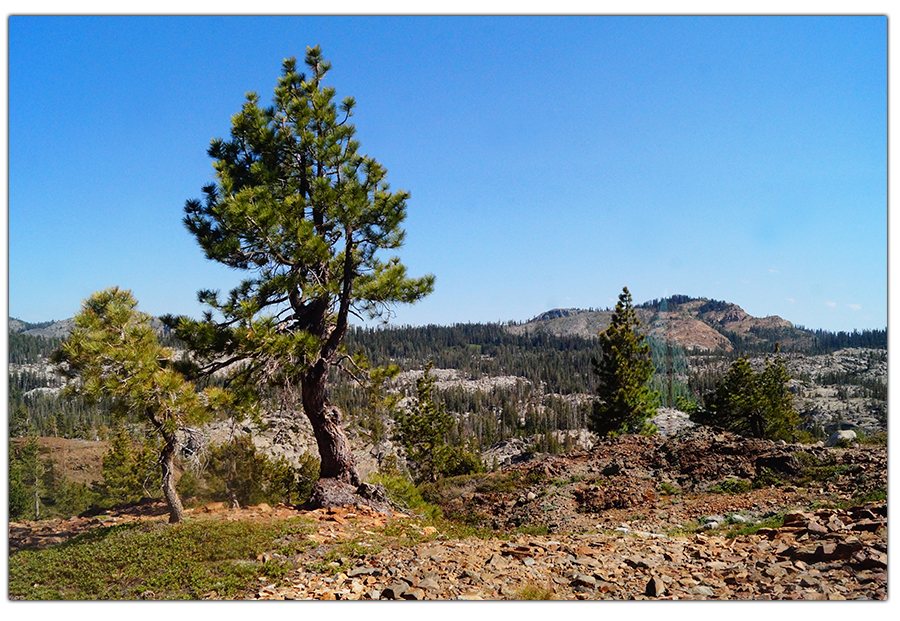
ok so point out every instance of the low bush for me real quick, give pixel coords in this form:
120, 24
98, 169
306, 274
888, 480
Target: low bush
732, 486
405, 495
668, 489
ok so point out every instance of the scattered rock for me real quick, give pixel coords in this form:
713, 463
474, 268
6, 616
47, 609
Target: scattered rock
656, 587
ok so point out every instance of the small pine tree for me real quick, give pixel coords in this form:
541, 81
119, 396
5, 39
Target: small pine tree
748, 403
422, 430
244, 476
125, 470
20, 496
26, 477
115, 354
624, 368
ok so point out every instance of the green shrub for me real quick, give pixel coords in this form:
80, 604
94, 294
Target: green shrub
240, 474
667, 489
406, 495
879, 438
732, 486
766, 478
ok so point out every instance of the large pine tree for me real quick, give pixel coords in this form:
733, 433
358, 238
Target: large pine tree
624, 368
298, 209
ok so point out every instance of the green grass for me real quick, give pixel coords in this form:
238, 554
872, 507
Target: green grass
668, 489
155, 561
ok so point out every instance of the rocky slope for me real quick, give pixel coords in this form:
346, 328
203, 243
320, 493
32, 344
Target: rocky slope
697, 325
634, 518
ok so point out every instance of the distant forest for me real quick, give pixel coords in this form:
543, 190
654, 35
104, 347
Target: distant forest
552, 370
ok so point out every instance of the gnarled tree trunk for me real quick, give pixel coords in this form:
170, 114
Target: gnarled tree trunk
339, 482
337, 460
167, 461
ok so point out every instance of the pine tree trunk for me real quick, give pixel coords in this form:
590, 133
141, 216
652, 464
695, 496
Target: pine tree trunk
167, 460
337, 460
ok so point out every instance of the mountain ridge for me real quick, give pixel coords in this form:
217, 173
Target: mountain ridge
695, 324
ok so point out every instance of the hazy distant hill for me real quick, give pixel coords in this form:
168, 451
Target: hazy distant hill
693, 323
696, 324
58, 329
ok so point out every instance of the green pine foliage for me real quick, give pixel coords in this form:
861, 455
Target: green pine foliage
36, 488
129, 472
25, 480
750, 403
625, 400
243, 476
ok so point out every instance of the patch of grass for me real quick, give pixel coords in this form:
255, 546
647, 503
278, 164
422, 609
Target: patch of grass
532, 592
406, 495
575, 478
819, 474
668, 489
685, 529
878, 494
873, 495
534, 529
153, 561
775, 521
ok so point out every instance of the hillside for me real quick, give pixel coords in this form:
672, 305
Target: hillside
694, 324
529, 382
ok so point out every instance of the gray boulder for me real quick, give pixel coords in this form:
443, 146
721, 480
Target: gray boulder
838, 436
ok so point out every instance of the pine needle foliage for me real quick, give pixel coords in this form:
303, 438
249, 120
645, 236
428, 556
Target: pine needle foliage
422, 430
624, 368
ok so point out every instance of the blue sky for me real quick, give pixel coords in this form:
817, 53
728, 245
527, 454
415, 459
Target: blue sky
551, 160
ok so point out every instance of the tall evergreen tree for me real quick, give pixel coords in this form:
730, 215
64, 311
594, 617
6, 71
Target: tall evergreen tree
624, 368
306, 216
115, 354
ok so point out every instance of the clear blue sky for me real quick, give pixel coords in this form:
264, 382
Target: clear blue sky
551, 161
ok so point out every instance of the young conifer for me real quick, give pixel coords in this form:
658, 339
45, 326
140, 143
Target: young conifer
114, 354
624, 368
750, 403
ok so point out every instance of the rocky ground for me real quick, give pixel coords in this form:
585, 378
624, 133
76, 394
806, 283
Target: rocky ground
633, 518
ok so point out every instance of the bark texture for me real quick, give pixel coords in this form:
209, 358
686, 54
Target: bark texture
167, 461
337, 460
